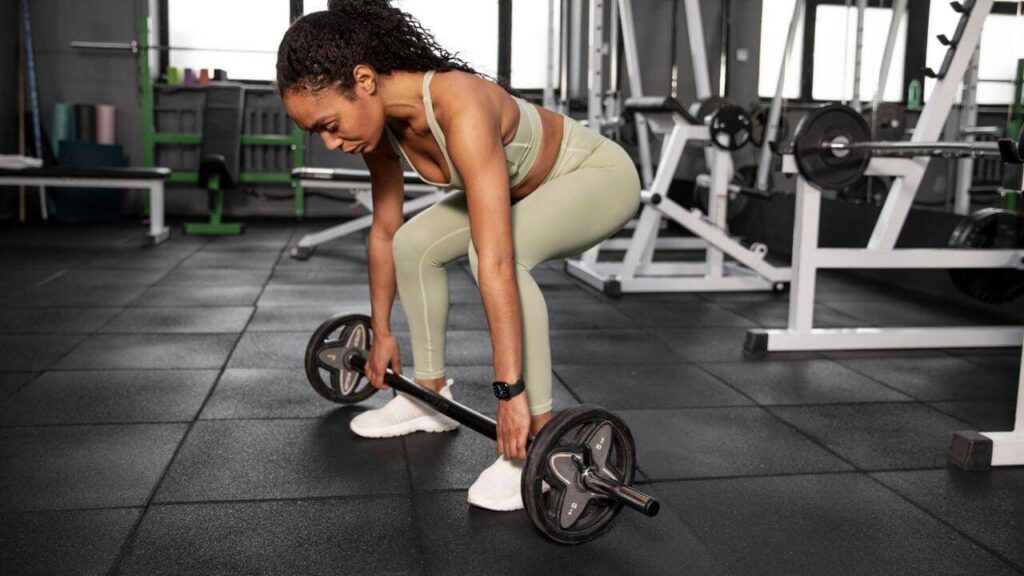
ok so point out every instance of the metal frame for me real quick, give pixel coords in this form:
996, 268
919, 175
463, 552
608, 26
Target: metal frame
637, 272
363, 196
809, 257
158, 231
982, 450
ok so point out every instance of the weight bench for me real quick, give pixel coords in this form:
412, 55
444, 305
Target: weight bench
748, 270
151, 179
357, 183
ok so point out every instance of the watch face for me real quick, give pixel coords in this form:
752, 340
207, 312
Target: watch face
501, 390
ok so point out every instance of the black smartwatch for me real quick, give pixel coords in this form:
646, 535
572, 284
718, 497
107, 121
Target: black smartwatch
504, 390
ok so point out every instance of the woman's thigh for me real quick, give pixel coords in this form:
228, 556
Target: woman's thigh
573, 212
439, 233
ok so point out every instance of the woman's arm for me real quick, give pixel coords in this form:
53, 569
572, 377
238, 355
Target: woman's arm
473, 136
388, 197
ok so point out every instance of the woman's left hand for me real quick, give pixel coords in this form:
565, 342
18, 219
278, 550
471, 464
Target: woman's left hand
513, 426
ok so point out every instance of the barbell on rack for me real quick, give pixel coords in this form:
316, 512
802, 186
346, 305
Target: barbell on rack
832, 146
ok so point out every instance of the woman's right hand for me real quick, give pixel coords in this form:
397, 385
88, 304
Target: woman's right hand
383, 354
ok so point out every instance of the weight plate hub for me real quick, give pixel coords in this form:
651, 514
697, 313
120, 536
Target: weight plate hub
825, 168
730, 128
325, 367
993, 228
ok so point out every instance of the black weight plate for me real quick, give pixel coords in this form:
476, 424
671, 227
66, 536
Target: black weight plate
709, 106
730, 127
759, 124
744, 178
568, 513
343, 330
889, 122
989, 228
825, 168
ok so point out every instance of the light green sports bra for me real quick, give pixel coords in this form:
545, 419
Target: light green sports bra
520, 153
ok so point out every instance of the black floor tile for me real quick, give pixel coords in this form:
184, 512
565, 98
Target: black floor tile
109, 278
63, 542
258, 459
140, 351
330, 537
712, 442
669, 311
983, 415
236, 260
60, 296
270, 350
54, 320
214, 277
459, 539
775, 314
940, 378
878, 436
448, 460
338, 274
609, 347
96, 397
585, 314
638, 386
267, 393
198, 295
308, 318
822, 524
63, 467
34, 352
802, 382
907, 312
11, 382
717, 345
209, 320
316, 295
986, 507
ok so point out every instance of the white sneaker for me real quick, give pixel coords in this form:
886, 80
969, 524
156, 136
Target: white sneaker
403, 415
498, 487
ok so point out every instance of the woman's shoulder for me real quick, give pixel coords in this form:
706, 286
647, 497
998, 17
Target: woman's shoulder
456, 90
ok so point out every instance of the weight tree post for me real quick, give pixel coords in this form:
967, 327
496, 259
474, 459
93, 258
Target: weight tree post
929, 127
899, 8
764, 164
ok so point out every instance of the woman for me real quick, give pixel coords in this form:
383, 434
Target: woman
533, 186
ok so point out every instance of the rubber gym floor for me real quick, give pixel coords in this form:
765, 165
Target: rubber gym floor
155, 419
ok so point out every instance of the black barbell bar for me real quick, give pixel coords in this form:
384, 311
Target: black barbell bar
902, 149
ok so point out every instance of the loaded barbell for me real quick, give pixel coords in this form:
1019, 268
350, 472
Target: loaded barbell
832, 146
579, 468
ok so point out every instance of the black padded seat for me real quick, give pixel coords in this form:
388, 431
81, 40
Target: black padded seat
344, 175
80, 172
656, 105
221, 149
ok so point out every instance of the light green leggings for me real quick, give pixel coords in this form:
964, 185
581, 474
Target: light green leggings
592, 191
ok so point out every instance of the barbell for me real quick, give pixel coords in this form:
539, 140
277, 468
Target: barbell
832, 146
579, 468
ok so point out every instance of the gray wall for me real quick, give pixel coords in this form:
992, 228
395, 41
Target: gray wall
107, 77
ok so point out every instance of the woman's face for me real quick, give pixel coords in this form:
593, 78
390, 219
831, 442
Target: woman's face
354, 126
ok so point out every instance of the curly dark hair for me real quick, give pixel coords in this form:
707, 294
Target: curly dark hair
321, 49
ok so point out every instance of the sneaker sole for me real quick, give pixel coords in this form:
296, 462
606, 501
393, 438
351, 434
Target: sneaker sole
401, 429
